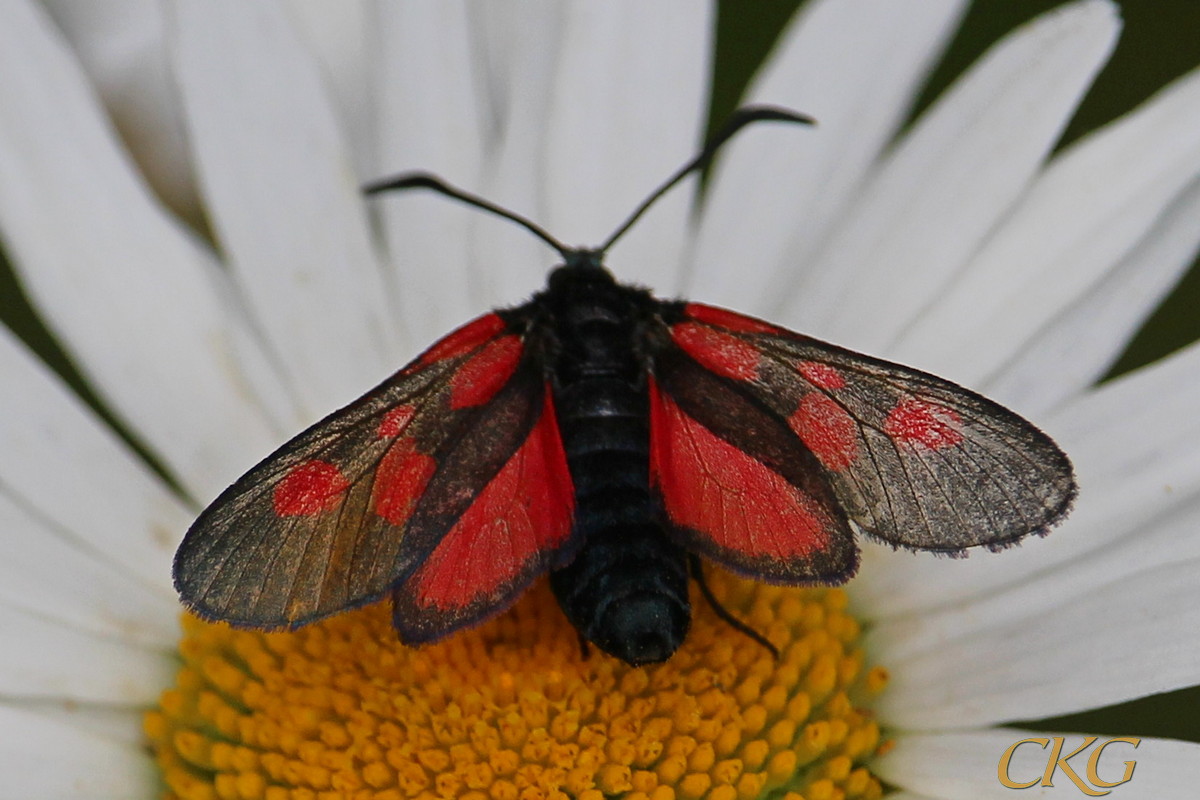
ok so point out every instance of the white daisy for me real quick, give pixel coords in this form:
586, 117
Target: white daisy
959, 249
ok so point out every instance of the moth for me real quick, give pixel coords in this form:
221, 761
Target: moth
615, 441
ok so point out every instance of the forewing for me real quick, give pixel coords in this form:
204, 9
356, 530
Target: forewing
342, 512
914, 460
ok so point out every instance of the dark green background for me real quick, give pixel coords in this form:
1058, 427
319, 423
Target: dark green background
1161, 41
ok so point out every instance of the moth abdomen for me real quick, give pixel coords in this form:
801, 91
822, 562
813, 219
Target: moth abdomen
627, 588
627, 591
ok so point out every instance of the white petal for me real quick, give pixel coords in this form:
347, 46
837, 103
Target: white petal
473, 85
965, 764
534, 78
120, 43
47, 572
854, 66
1165, 539
1087, 212
932, 201
68, 467
344, 38
284, 197
1053, 648
1077, 348
40, 658
432, 117
521, 47
630, 92
121, 725
135, 298
1136, 446
48, 759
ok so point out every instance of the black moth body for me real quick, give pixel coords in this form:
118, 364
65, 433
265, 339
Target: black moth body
612, 440
627, 587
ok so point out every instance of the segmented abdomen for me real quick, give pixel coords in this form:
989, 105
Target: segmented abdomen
626, 589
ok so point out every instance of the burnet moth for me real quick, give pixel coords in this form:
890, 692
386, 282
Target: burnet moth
613, 440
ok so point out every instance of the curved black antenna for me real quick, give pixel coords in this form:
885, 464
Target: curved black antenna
425, 180
741, 118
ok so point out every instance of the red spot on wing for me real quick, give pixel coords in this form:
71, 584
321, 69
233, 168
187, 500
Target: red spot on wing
463, 340
712, 487
309, 488
724, 318
395, 421
400, 480
523, 513
485, 373
821, 375
827, 430
923, 423
721, 352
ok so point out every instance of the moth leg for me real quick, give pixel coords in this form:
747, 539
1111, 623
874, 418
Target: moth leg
729, 619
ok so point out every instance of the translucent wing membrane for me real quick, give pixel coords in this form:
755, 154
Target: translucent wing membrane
914, 460
352, 507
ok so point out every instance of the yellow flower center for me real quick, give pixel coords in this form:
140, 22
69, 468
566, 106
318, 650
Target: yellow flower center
511, 710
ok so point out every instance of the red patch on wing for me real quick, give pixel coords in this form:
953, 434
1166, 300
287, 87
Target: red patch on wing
525, 511
921, 422
721, 352
821, 375
395, 421
485, 373
462, 341
725, 318
400, 480
309, 488
712, 487
827, 430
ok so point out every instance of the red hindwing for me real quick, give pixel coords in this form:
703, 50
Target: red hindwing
713, 486
505, 538
750, 505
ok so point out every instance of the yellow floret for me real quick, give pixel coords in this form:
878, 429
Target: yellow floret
511, 710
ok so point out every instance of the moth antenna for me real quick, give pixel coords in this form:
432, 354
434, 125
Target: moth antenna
426, 180
723, 613
739, 119
744, 116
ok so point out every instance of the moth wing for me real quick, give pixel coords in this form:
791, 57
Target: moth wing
914, 460
738, 487
339, 515
515, 528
